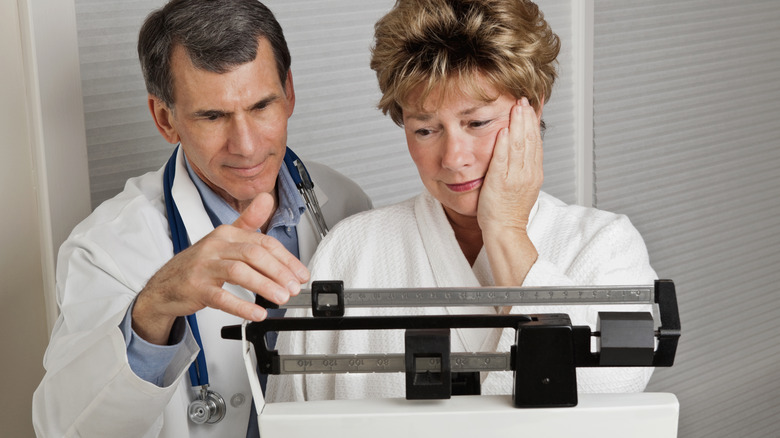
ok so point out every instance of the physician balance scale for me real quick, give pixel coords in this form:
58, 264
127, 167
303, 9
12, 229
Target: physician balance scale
547, 351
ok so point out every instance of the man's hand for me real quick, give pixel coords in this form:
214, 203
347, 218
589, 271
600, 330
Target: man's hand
236, 254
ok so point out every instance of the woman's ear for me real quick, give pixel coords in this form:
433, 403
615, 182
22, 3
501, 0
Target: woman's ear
541, 108
163, 119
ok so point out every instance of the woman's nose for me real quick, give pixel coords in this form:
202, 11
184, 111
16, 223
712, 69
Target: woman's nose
457, 153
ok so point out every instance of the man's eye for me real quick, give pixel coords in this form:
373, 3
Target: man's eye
210, 116
423, 132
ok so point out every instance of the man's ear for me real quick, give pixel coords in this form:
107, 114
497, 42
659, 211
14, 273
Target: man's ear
163, 119
289, 93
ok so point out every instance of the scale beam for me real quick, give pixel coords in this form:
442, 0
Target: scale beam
547, 350
330, 296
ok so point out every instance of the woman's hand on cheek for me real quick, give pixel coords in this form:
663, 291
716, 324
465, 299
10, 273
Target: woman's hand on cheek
515, 174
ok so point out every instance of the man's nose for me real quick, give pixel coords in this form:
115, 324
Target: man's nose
457, 152
241, 139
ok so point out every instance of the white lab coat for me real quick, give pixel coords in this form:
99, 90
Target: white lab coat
89, 389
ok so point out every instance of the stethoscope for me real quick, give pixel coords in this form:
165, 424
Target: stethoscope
303, 182
210, 406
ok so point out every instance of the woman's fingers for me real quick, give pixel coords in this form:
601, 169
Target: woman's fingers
525, 164
515, 174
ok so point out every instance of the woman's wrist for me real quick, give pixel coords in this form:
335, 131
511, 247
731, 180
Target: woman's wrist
511, 254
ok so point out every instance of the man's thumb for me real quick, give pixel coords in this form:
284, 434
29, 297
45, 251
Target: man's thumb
256, 214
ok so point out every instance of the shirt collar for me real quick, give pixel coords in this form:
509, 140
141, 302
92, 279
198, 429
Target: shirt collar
288, 212
291, 204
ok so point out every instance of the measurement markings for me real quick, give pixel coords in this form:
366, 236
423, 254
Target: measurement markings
388, 363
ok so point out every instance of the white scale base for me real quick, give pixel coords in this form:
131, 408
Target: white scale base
640, 415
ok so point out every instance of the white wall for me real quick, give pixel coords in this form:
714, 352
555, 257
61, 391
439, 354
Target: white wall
23, 321
56, 119
44, 184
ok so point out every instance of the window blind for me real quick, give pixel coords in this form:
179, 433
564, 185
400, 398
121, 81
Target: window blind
687, 143
122, 140
335, 121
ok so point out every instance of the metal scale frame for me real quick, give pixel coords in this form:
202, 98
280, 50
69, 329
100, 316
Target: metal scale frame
544, 358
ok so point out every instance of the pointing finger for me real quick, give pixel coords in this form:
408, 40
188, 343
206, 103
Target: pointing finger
227, 302
256, 214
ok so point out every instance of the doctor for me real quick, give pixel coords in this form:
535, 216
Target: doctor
119, 360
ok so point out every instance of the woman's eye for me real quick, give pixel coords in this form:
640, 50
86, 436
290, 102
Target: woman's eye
423, 132
479, 123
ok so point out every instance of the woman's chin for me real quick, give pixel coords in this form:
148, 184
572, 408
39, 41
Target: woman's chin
459, 213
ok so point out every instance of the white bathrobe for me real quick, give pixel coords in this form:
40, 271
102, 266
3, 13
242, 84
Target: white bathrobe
411, 244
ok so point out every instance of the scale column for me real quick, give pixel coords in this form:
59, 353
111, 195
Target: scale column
545, 375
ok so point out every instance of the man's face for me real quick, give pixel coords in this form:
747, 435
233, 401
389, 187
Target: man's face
232, 126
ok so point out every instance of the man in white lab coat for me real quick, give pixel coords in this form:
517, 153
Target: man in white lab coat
219, 82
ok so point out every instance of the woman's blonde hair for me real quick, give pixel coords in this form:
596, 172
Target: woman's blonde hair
506, 43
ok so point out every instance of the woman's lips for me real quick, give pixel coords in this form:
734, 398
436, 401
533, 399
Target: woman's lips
466, 186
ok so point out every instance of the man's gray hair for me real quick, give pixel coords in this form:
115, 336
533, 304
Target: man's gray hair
218, 35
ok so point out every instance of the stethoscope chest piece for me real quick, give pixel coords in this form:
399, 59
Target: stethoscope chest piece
208, 408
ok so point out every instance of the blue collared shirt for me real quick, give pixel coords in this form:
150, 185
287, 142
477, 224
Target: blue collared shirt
284, 221
149, 361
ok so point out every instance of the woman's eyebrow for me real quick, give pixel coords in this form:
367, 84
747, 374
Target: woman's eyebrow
471, 110
424, 117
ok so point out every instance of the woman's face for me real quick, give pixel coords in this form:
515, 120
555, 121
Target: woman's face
451, 138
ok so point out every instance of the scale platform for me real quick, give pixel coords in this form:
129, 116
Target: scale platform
638, 415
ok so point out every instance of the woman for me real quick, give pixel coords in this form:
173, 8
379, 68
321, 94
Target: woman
467, 81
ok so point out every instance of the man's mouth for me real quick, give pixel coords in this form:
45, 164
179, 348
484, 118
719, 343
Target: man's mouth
247, 170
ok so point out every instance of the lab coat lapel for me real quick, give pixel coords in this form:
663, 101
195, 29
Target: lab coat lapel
308, 239
189, 203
